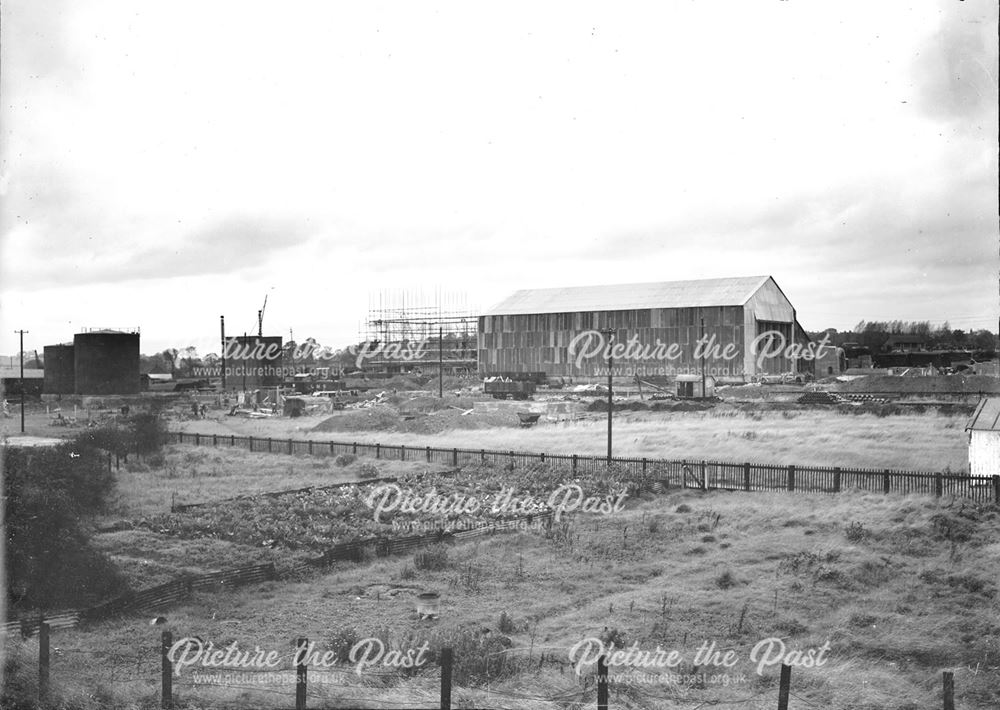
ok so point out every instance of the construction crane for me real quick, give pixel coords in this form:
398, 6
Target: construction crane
260, 318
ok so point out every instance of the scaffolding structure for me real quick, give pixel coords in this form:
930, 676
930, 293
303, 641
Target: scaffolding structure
411, 330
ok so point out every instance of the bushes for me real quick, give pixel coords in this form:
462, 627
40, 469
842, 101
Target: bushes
50, 494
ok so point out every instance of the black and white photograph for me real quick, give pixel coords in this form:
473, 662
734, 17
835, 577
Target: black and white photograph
452, 355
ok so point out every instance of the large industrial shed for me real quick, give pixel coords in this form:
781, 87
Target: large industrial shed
557, 331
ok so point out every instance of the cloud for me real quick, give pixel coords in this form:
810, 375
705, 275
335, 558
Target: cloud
226, 245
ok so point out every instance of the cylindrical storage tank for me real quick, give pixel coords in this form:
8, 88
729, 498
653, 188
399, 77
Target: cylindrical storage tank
60, 375
106, 362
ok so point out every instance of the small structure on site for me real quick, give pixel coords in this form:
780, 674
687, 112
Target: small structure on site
984, 438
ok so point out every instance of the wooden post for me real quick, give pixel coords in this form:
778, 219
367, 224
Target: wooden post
268, 444
836, 479
602, 683
938, 484
310, 447
354, 448
445, 679
574, 463
289, 446
402, 452
232, 439
541, 458
300, 675
454, 457
785, 687
428, 454
482, 456
704, 476
332, 449
215, 439
996, 489
791, 477
378, 451
949, 690
746, 476
43, 661
886, 482
197, 439
166, 670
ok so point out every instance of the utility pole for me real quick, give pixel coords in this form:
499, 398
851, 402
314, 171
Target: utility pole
703, 348
440, 362
611, 339
222, 326
22, 332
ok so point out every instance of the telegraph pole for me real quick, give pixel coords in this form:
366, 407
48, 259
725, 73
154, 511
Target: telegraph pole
703, 348
611, 339
440, 362
222, 326
22, 332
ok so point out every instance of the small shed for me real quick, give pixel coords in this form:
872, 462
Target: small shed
984, 438
689, 386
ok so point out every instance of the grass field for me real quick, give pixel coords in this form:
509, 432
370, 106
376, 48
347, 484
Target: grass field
901, 589
927, 441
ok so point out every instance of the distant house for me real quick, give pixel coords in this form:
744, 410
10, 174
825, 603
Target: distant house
901, 343
984, 438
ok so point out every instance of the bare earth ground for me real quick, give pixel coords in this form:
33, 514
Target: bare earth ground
901, 588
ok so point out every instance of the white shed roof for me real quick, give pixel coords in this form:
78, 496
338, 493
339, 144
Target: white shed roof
986, 417
733, 291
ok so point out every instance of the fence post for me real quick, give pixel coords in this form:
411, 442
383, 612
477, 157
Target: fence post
378, 451
333, 449
402, 452
310, 447
428, 454
938, 484
746, 476
43, 660
197, 439
454, 457
836, 479
996, 489
215, 439
541, 458
166, 670
482, 456
602, 683
949, 690
445, 679
300, 674
354, 448
886, 482
232, 439
268, 444
574, 463
791, 487
785, 687
704, 476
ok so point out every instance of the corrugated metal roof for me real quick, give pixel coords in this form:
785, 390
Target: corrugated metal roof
733, 291
986, 416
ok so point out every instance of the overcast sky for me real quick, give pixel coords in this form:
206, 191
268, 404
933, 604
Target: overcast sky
167, 162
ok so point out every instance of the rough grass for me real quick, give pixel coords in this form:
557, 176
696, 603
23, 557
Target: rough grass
915, 595
926, 441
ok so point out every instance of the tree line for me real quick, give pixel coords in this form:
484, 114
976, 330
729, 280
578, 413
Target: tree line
875, 334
